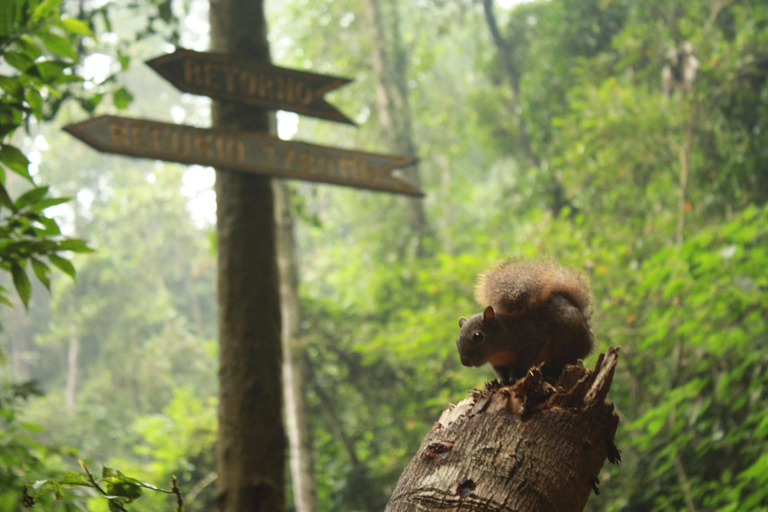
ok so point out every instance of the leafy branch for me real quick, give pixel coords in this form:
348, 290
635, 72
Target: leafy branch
119, 489
38, 45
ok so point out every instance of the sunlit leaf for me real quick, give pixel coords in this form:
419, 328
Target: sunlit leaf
57, 44
15, 160
75, 26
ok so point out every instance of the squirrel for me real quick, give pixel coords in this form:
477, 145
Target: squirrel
537, 313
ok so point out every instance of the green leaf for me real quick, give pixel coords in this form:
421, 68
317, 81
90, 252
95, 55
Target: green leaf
31, 197
15, 160
11, 86
5, 130
116, 503
123, 59
35, 101
28, 47
51, 227
10, 13
122, 98
57, 44
58, 490
75, 245
47, 202
41, 271
5, 199
75, 478
52, 71
41, 485
62, 264
46, 9
18, 60
21, 282
123, 486
75, 26
90, 103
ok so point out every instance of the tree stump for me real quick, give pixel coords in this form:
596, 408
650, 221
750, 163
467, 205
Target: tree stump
533, 446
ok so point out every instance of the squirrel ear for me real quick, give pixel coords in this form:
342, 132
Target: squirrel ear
462, 321
489, 314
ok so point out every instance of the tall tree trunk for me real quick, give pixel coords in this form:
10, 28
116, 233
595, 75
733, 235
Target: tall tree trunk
251, 444
294, 373
72, 372
390, 68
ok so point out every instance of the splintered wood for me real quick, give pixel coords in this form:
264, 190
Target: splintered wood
532, 446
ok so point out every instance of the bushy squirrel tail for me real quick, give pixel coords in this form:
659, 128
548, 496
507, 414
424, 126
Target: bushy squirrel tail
517, 286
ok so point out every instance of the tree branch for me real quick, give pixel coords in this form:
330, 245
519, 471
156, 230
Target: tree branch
513, 76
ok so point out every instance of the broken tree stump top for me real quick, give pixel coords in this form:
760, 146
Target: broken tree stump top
536, 445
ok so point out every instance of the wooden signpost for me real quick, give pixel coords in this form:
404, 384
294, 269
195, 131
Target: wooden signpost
250, 469
225, 78
244, 151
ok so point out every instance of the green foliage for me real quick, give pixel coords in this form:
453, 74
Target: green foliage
118, 489
702, 361
22, 455
677, 267
39, 48
690, 316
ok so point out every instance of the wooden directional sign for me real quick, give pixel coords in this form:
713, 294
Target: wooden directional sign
224, 78
251, 152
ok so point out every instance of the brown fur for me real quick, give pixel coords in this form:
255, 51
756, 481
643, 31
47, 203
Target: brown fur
518, 285
537, 313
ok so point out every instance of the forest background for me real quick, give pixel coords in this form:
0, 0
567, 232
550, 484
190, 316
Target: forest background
549, 128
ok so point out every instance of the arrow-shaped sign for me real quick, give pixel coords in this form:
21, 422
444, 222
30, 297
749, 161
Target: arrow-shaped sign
225, 78
244, 151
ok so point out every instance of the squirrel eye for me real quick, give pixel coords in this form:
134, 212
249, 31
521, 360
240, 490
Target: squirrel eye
477, 337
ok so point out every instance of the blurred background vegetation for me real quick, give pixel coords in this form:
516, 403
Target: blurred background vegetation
626, 138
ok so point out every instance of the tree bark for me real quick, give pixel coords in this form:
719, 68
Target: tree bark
531, 446
73, 350
390, 69
294, 373
251, 444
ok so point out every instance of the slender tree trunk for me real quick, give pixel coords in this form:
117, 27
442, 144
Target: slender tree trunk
359, 479
529, 447
685, 172
505, 55
294, 374
72, 373
251, 444
197, 315
558, 199
390, 68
